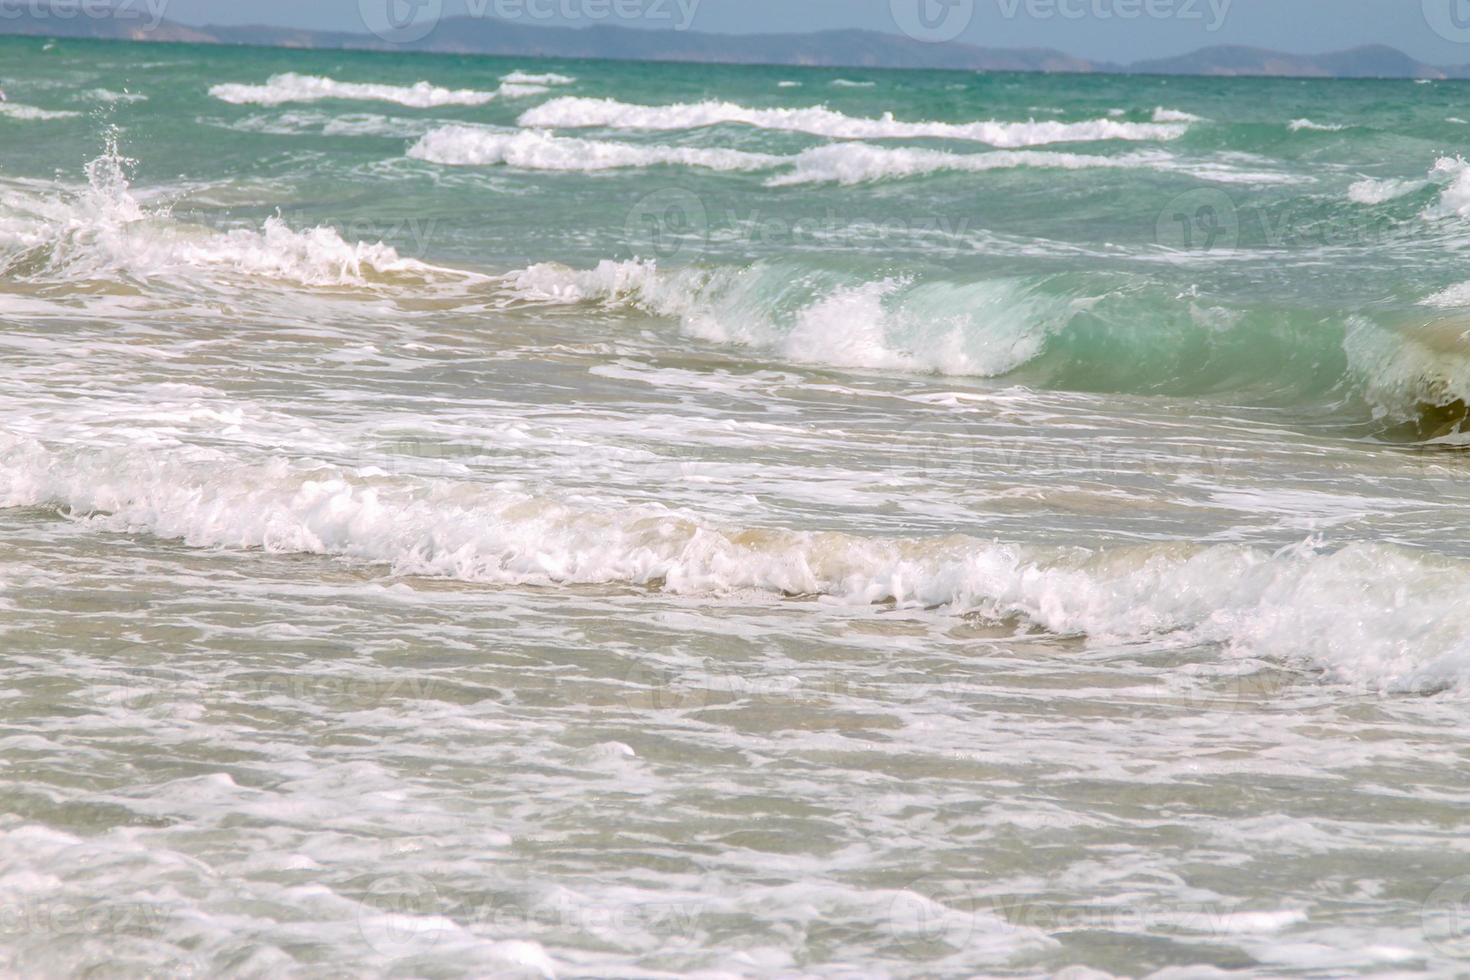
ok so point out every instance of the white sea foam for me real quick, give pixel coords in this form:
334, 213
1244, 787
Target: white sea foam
1371, 191
853, 163
1369, 614
846, 163
15, 110
1297, 125
515, 90
371, 124
298, 121
849, 83
1162, 115
1400, 370
536, 150
1454, 199
531, 78
982, 328
571, 112
291, 87
107, 95
105, 231
1456, 296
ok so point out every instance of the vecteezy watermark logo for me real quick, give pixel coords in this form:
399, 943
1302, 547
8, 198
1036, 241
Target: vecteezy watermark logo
150, 11
930, 917
1215, 10
1199, 221
676, 224
935, 21
127, 688
401, 21
1450, 19
407, 21
667, 690
1446, 917
400, 914
1209, 220
1209, 689
670, 225
941, 447
678, 12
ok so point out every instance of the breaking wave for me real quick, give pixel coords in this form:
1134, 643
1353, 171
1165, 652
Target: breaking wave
15, 110
531, 78
291, 87
1368, 614
536, 150
854, 163
844, 163
572, 112
1381, 191
1062, 332
1298, 125
102, 231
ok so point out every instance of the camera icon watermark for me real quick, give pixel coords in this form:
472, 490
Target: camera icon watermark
120, 688
659, 689
1450, 19
1209, 220
401, 21
669, 225
930, 916
401, 914
933, 21
1445, 917
1199, 221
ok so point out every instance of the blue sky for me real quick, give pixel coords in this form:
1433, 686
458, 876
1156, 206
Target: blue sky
1293, 25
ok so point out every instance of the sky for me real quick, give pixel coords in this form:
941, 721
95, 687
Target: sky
1102, 30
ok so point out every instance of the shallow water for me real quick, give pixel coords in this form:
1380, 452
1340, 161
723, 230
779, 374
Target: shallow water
727, 532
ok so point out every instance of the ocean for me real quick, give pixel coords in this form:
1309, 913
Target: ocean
504, 517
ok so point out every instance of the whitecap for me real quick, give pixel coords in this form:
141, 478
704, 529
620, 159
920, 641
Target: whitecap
1377, 615
1298, 125
15, 110
291, 87
1370, 191
572, 112
536, 150
531, 78
854, 163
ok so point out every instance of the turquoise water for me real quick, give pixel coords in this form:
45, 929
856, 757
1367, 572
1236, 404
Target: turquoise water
506, 517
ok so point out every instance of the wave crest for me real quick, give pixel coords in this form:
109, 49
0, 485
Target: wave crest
573, 112
537, 150
981, 329
291, 87
1369, 614
103, 231
15, 110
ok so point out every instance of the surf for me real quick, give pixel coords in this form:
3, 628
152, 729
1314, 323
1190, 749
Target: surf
574, 112
1406, 632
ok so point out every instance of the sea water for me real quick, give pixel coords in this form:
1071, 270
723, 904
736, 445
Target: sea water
468, 516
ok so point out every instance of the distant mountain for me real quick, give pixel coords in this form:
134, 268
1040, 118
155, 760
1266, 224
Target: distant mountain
1373, 61
844, 48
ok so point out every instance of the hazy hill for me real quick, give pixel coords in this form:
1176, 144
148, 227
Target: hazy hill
1372, 61
845, 48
